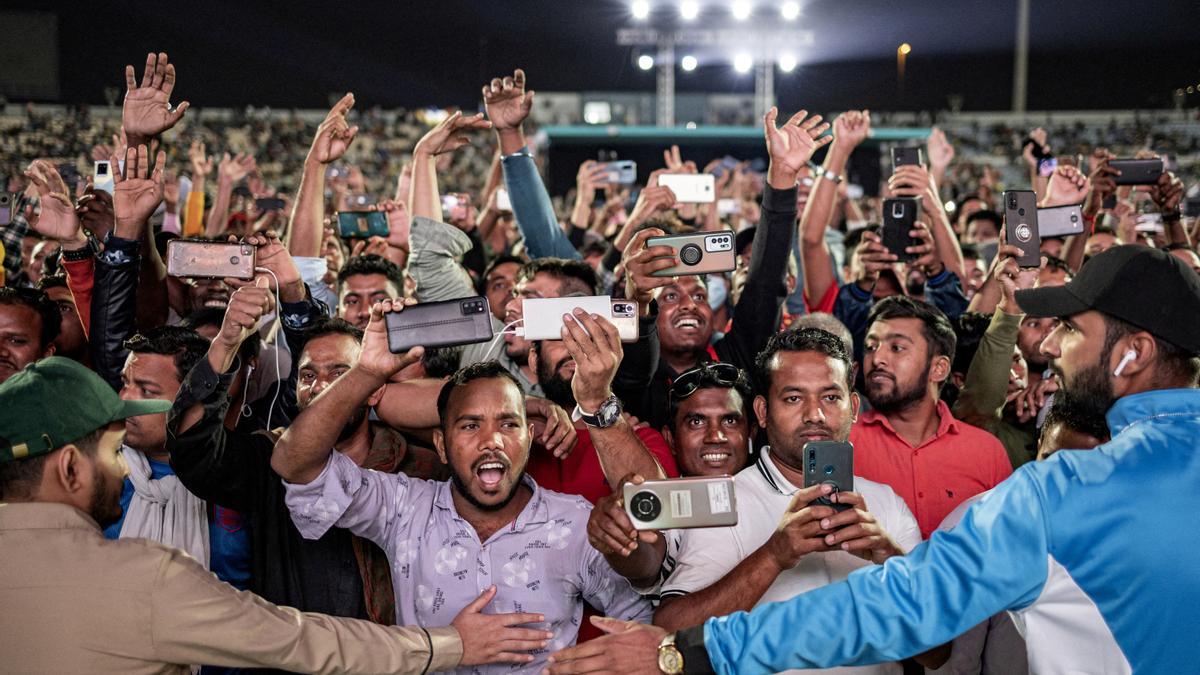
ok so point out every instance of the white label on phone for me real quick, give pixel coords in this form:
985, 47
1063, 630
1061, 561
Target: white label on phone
718, 498
681, 503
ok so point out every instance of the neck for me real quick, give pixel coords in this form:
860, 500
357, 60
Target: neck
358, 444
793, 476
485, 522
158, 453
917, 422
680, 360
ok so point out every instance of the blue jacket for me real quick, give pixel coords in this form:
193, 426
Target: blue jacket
1121, 519
533, 210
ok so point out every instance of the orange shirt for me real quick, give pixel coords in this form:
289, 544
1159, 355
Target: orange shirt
957, 462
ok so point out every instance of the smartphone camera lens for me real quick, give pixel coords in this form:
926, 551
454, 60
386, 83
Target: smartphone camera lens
645, 506
829, 469
690, 254
233, 260
1020, 212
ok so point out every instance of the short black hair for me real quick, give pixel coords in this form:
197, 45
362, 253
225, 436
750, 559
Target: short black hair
1055, 263
373, 264
52, 281
499, 260
328, 325
561, 269
483, 370
707, 379
215, 316
986, 214
801, 340
441, 361
20, 478
185, 344
1176, 363
936, 328
970, 196
42, 305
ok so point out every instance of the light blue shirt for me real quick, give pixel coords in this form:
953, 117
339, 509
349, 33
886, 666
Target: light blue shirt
1120, 519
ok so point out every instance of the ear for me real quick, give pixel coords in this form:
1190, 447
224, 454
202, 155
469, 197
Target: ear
439, 442
1147, 353
376, 396
70, 470
50, 348
668, 437
760, 411
940, 369
855, 406
533, 357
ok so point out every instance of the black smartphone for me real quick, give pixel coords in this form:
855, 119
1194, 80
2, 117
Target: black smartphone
1021, 226
362, 224
829, 462
462, 321
1137, 171
1191, 207
266, 204
899, 216
902, 156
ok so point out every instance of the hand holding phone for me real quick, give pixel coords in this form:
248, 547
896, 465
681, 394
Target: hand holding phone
462, 321
899, 217
829, 463
680, 503
1021, 226
698, 253
362, 224
210, 259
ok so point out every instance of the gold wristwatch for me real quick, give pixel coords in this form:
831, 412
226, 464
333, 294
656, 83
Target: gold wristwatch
670, 661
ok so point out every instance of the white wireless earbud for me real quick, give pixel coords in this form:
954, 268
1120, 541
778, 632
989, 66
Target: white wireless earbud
1129, 356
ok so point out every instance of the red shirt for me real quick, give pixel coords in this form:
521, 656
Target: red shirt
580, 473
957, 462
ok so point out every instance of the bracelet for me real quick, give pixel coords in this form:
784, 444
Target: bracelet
429, 660
830, 176
1172, 216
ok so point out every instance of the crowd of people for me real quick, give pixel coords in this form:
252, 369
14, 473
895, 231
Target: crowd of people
222, 472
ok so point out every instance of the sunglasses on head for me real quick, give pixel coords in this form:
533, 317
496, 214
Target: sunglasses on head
685, 385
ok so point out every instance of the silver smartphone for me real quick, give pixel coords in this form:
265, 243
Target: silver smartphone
681, 503
1060, 221
690, 188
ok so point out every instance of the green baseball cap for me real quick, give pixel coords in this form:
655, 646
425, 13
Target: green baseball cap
55, 401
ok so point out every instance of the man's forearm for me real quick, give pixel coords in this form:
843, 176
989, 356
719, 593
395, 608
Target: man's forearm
818, 266
642, 566
217, 217
621, 453
424, 198
411, 404
306, 230
737, 591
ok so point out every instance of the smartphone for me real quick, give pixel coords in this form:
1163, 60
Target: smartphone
266, 204
625, 318
503, 203
453, 207
727, 207
902, 156
1021, 226
698, 253
543, 316
1137, 171
899, 216
1046, 166
728, 163
621, 172
829, 462
209, 259
357, 202
6, 208
102, 177
1149, 222
362, 224
1060, 221
448, 323
1191, 207
680, 503
690, 188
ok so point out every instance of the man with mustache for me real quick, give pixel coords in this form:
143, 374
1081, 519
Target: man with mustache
29, 324
490, 526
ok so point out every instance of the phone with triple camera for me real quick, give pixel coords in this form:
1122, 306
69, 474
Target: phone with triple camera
829, 462
102, 177
625, 318
209, 259
899, 216
698, 253
1137, 171
690, 188
362, 224
681, 503
1060, 221
902, 156
448, 323
620, 172
1021, 226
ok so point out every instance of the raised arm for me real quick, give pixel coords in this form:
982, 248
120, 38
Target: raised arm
446, 136
332, 139
231, 170
147, 112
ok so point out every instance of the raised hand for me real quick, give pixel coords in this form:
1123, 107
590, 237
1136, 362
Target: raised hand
939, 150
1067, 185
247, 305
58, 219
652, 200
444, 136
870, 258
234, 169
334, 134
851, 128
376, 359
641, 262
609, 529
494, 638
591, 175
596, 347
147, 110
399, 223
1167, 193
792, 145
201, 162
137, 192
95, 210
927, 254
272, 254
674, 162
552, 426
506, 101
1102, 182
171, 191
1038, 136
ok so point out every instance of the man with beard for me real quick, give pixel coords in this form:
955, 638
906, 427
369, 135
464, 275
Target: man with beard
60, 482
1132, 361
909, 440
490, 526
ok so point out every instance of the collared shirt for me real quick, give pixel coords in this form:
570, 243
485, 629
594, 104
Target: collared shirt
1119, 519
956, 462
763, 496
541, 562
76, 602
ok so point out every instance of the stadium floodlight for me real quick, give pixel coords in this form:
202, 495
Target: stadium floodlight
689, 9
787, 63
645, 62
790, 11
743, 63
741, 9
688, 63
640, 9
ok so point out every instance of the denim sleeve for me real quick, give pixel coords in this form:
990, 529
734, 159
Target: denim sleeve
944, 291
544, 238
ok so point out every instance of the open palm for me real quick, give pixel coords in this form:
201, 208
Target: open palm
58, 219
147, 111
137, 192
506, 101
793, 144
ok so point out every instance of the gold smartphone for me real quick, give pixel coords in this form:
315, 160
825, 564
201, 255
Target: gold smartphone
698, 253
209, 259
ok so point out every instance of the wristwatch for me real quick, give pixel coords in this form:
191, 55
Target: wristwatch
830, 176
670, 660
605, 416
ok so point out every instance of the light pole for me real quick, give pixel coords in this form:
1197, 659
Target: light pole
901, 55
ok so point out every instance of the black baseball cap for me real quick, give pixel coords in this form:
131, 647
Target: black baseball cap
1140, 285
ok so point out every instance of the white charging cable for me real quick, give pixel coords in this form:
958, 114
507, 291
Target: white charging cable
278, 330
487, 356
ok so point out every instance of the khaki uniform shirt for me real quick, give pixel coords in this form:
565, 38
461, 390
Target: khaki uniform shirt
74, 601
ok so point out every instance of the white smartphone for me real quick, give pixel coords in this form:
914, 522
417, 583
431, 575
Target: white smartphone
727, 207
102, 177
690, 188
543, 316
502, 201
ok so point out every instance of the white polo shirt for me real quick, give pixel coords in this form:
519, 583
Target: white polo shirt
763, 494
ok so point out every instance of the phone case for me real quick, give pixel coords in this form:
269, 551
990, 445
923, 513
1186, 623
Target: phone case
621, 172
542, 317
625, 318
209, 259
690, 188
1060, 221
899, 215
829, 462
902, 156
680, 503
1137, 171
1021, 226
362, 224
462, 321
698, 253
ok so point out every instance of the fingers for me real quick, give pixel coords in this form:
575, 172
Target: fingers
805, 495
342, 106
148, 73
160, 71
482, 601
